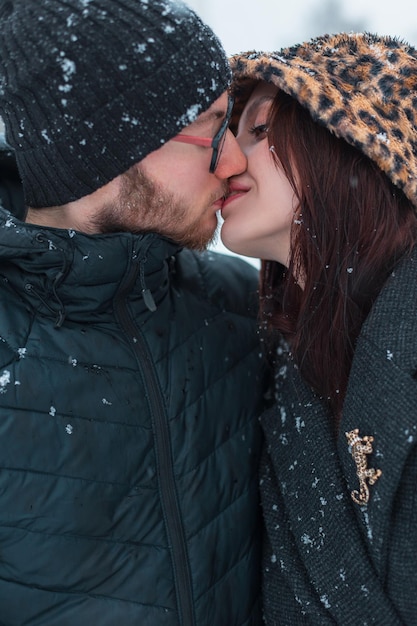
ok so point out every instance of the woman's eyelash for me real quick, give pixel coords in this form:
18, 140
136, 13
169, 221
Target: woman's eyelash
258, 130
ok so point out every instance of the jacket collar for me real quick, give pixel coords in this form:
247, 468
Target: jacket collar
80, 273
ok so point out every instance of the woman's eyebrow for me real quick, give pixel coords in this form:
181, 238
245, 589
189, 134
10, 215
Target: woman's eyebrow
257, 103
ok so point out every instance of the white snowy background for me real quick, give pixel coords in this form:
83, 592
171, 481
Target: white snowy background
272, 24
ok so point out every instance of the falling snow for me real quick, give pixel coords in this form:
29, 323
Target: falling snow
383, 137
68, 67
44, 134
325, 600
190, 115
4, 380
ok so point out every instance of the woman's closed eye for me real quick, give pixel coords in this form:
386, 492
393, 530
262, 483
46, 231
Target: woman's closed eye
259, 131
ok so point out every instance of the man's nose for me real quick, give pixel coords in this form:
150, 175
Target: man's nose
232, 160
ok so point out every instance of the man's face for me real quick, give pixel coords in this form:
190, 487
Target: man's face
171, 191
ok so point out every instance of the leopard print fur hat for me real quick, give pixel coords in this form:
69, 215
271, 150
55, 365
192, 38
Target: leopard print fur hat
362, 87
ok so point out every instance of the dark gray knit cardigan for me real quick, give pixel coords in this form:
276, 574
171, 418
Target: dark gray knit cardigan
328, 560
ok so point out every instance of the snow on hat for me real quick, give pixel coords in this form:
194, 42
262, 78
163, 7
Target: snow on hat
361, 87
90, 87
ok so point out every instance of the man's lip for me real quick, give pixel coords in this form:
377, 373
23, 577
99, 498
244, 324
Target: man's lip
235, 191
219, 202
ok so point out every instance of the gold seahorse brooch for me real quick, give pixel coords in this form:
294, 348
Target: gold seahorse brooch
359, 447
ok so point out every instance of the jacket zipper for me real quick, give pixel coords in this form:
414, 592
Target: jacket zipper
166, 479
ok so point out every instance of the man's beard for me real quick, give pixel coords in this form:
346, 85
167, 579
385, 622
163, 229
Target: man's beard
143, 206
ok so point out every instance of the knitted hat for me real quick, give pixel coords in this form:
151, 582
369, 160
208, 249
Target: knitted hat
90, 87
361, 87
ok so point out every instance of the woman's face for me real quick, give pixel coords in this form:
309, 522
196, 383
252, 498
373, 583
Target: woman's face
261, 204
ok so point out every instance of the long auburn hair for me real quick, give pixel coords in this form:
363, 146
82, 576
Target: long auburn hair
351, 228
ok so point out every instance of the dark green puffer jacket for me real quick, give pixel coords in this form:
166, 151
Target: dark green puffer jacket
129, 436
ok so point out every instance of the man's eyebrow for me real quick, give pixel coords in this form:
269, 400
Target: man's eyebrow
209, 116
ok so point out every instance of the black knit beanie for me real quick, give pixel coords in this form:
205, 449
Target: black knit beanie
90, 87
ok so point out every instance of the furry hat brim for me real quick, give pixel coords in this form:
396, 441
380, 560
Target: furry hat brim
362, 87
